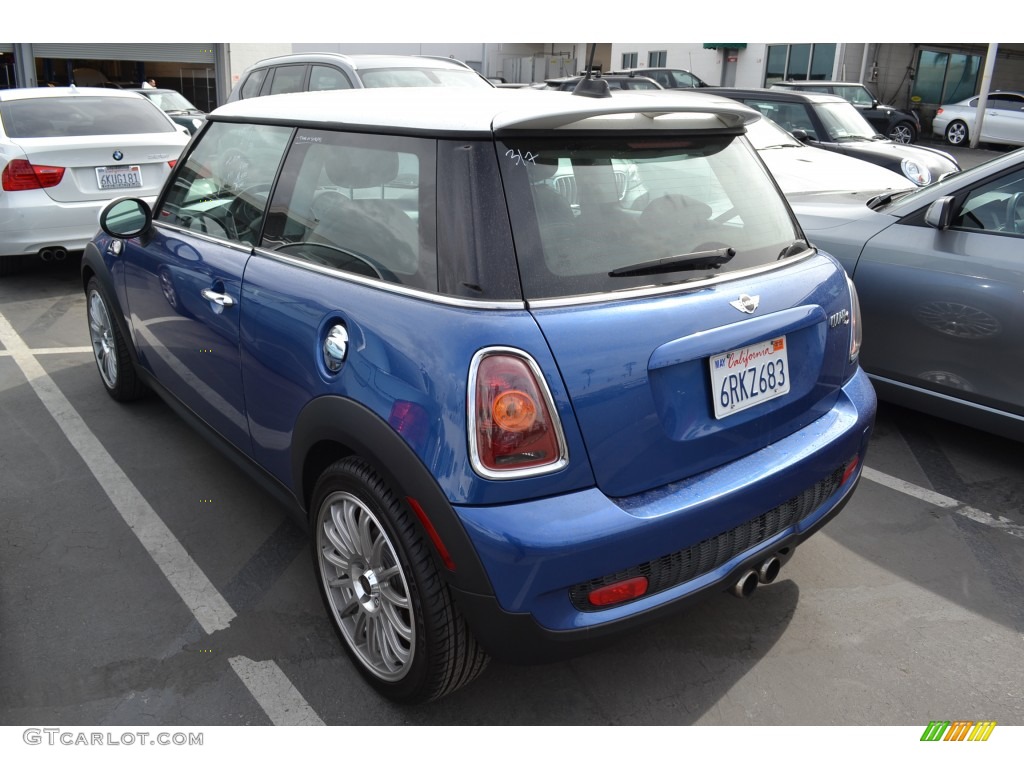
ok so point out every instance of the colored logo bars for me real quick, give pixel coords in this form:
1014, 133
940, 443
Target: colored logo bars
958, 730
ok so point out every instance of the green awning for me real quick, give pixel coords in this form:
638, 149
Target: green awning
725, 45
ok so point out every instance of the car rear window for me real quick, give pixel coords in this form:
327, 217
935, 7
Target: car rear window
82, 116
588, 212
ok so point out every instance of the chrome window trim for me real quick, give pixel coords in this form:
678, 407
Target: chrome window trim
512, 474
233, 245
402, 290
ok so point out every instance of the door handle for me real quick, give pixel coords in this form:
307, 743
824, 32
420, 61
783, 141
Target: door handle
221, 299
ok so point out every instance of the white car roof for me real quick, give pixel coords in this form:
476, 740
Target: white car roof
15, 94
450, 109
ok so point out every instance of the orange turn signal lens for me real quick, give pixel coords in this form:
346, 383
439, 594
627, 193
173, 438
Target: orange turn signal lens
514, 411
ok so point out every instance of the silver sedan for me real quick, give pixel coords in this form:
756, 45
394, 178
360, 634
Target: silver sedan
940, 274
64, 154
1003, 122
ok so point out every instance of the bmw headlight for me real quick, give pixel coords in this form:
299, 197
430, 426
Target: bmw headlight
916, 172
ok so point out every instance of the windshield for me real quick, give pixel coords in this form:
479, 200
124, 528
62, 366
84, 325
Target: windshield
765, 134
406, 77
590, 214
171, 101
844, 123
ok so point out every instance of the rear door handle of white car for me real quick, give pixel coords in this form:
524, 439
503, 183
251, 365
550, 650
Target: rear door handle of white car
218, 298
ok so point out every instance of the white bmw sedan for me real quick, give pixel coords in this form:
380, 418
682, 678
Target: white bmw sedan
64, 154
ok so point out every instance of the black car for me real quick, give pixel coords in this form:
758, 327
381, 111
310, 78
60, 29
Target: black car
899, 125
615, 83
833, 123
666, 77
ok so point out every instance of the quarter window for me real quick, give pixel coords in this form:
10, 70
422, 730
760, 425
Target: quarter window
221, 190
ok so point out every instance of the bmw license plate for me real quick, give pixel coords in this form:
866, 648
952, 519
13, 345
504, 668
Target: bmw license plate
119, 176
745, 377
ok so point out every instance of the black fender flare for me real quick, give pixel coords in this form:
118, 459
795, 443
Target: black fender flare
93, 265
332, 427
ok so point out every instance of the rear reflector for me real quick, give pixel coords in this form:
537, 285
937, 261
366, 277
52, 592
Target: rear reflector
20, 175
850, 468
619, 592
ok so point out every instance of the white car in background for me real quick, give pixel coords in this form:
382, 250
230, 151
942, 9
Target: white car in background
800, 169
1003, 122
64, 154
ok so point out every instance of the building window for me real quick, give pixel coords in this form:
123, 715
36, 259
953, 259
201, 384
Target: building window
943, 78
629, 60
656, 58
802, 61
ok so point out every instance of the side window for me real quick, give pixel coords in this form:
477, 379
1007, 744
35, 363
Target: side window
790, 116
221, 190
251, 86
358, 203
288, 79
323, 78
995, 207
854, 95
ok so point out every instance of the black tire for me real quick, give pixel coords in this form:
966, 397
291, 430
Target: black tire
110, 350
956, 133
382, 583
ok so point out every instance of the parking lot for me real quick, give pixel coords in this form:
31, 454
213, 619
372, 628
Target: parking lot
144, 579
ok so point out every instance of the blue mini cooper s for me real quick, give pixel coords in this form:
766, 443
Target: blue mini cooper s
535, 368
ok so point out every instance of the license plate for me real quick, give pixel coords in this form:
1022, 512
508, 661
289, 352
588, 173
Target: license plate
119, 177
745, 377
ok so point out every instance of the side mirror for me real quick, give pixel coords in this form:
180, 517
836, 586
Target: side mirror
800, 134
940, 213
125, 218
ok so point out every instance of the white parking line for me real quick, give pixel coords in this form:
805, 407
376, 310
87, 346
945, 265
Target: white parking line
280, 699
266, 682
938, 500
52, 351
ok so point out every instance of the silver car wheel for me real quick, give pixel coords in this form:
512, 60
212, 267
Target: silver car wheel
902, 134
104, 345
366, 588
956, 133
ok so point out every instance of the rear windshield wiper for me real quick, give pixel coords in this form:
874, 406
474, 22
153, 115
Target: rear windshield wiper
678, 263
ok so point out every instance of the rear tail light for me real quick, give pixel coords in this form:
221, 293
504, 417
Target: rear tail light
172, 163
20, 175
514, 429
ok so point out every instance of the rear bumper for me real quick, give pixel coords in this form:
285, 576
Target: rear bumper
31, 221
536, 552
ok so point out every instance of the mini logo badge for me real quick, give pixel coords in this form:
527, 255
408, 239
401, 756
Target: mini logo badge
746, 303
118, 154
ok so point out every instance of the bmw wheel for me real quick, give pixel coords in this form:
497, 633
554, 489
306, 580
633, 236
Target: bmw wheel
956, 133
110, 349
903, 133
382, 589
